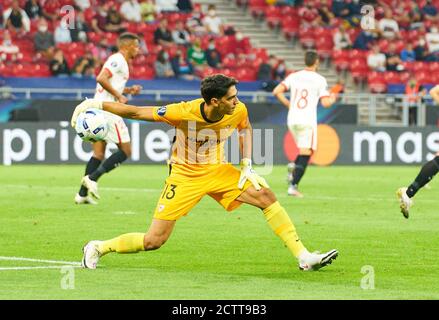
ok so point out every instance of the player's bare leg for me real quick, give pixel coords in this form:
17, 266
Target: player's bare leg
283, 227
82, 197
90, 181
158, 233
297, 170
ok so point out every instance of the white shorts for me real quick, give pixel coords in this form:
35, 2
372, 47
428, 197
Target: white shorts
117, 129
304, 135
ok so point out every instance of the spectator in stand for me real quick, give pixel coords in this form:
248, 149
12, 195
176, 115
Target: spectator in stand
393, 61
388, 26
81, 64
82, 4
80, 29
33, 9
416, 17
354, 15
99, 20
408, 54
9, 51
414, 92
185, 6
212, 22
166, 5
309, 15
89, 72
180, 35
162, 35
195, 22
44, 42
340, 8
280, 71
283, 2
147, 10
430, 11
58, 65
101, 51
326, 15
130, 11
420, 50
142, 44
62, 33
266, 74
341, 39
432, 39
162, 65
365, 40
338, 88
114, 22
16, 19
1, 16
197, 56
212, 55
182, 67
376, 60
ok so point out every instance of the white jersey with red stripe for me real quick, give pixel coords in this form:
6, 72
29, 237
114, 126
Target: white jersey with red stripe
306, 88
119, 74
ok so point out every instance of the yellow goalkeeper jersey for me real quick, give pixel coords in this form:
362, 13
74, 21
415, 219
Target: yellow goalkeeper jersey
199, 141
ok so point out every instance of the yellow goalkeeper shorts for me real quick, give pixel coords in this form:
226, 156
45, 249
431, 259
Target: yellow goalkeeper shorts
187, 184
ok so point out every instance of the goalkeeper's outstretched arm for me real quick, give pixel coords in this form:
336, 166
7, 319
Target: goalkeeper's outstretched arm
123, 110
129, 111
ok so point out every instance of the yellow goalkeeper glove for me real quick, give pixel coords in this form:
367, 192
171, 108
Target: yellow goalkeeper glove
84, 106
247, 173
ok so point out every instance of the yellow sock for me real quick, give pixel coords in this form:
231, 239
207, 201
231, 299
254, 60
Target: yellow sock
283, 227
126, 243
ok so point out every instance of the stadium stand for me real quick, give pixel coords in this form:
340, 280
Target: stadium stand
26, 60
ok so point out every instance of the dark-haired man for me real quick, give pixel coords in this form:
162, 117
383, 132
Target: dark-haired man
198, 168
110, 86
306, 88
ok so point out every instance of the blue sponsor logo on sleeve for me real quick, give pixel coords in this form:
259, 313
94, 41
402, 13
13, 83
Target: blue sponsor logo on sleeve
114, 64
161, 111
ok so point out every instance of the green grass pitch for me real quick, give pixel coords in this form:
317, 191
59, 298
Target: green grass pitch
213, 254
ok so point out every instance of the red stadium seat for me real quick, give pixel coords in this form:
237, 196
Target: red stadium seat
246, 74
257, 7
324, 46
359, 70
376, 82
307, 37
340, 59
420, 66
391, 77
290, 26
274, 16
230, 62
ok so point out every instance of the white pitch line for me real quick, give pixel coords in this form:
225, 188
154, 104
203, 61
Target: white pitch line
353, 199
25, 186
40, 260
33, 268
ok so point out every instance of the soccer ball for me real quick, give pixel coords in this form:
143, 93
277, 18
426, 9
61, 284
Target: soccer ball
91, 125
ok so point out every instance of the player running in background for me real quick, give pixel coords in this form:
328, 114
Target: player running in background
428, 171
306, 88
198, 168
110, 86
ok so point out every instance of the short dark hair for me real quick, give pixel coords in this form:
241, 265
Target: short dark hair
310, 58
127, 36
216, 86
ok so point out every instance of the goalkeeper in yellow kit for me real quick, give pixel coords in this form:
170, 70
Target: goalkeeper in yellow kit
198, 168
